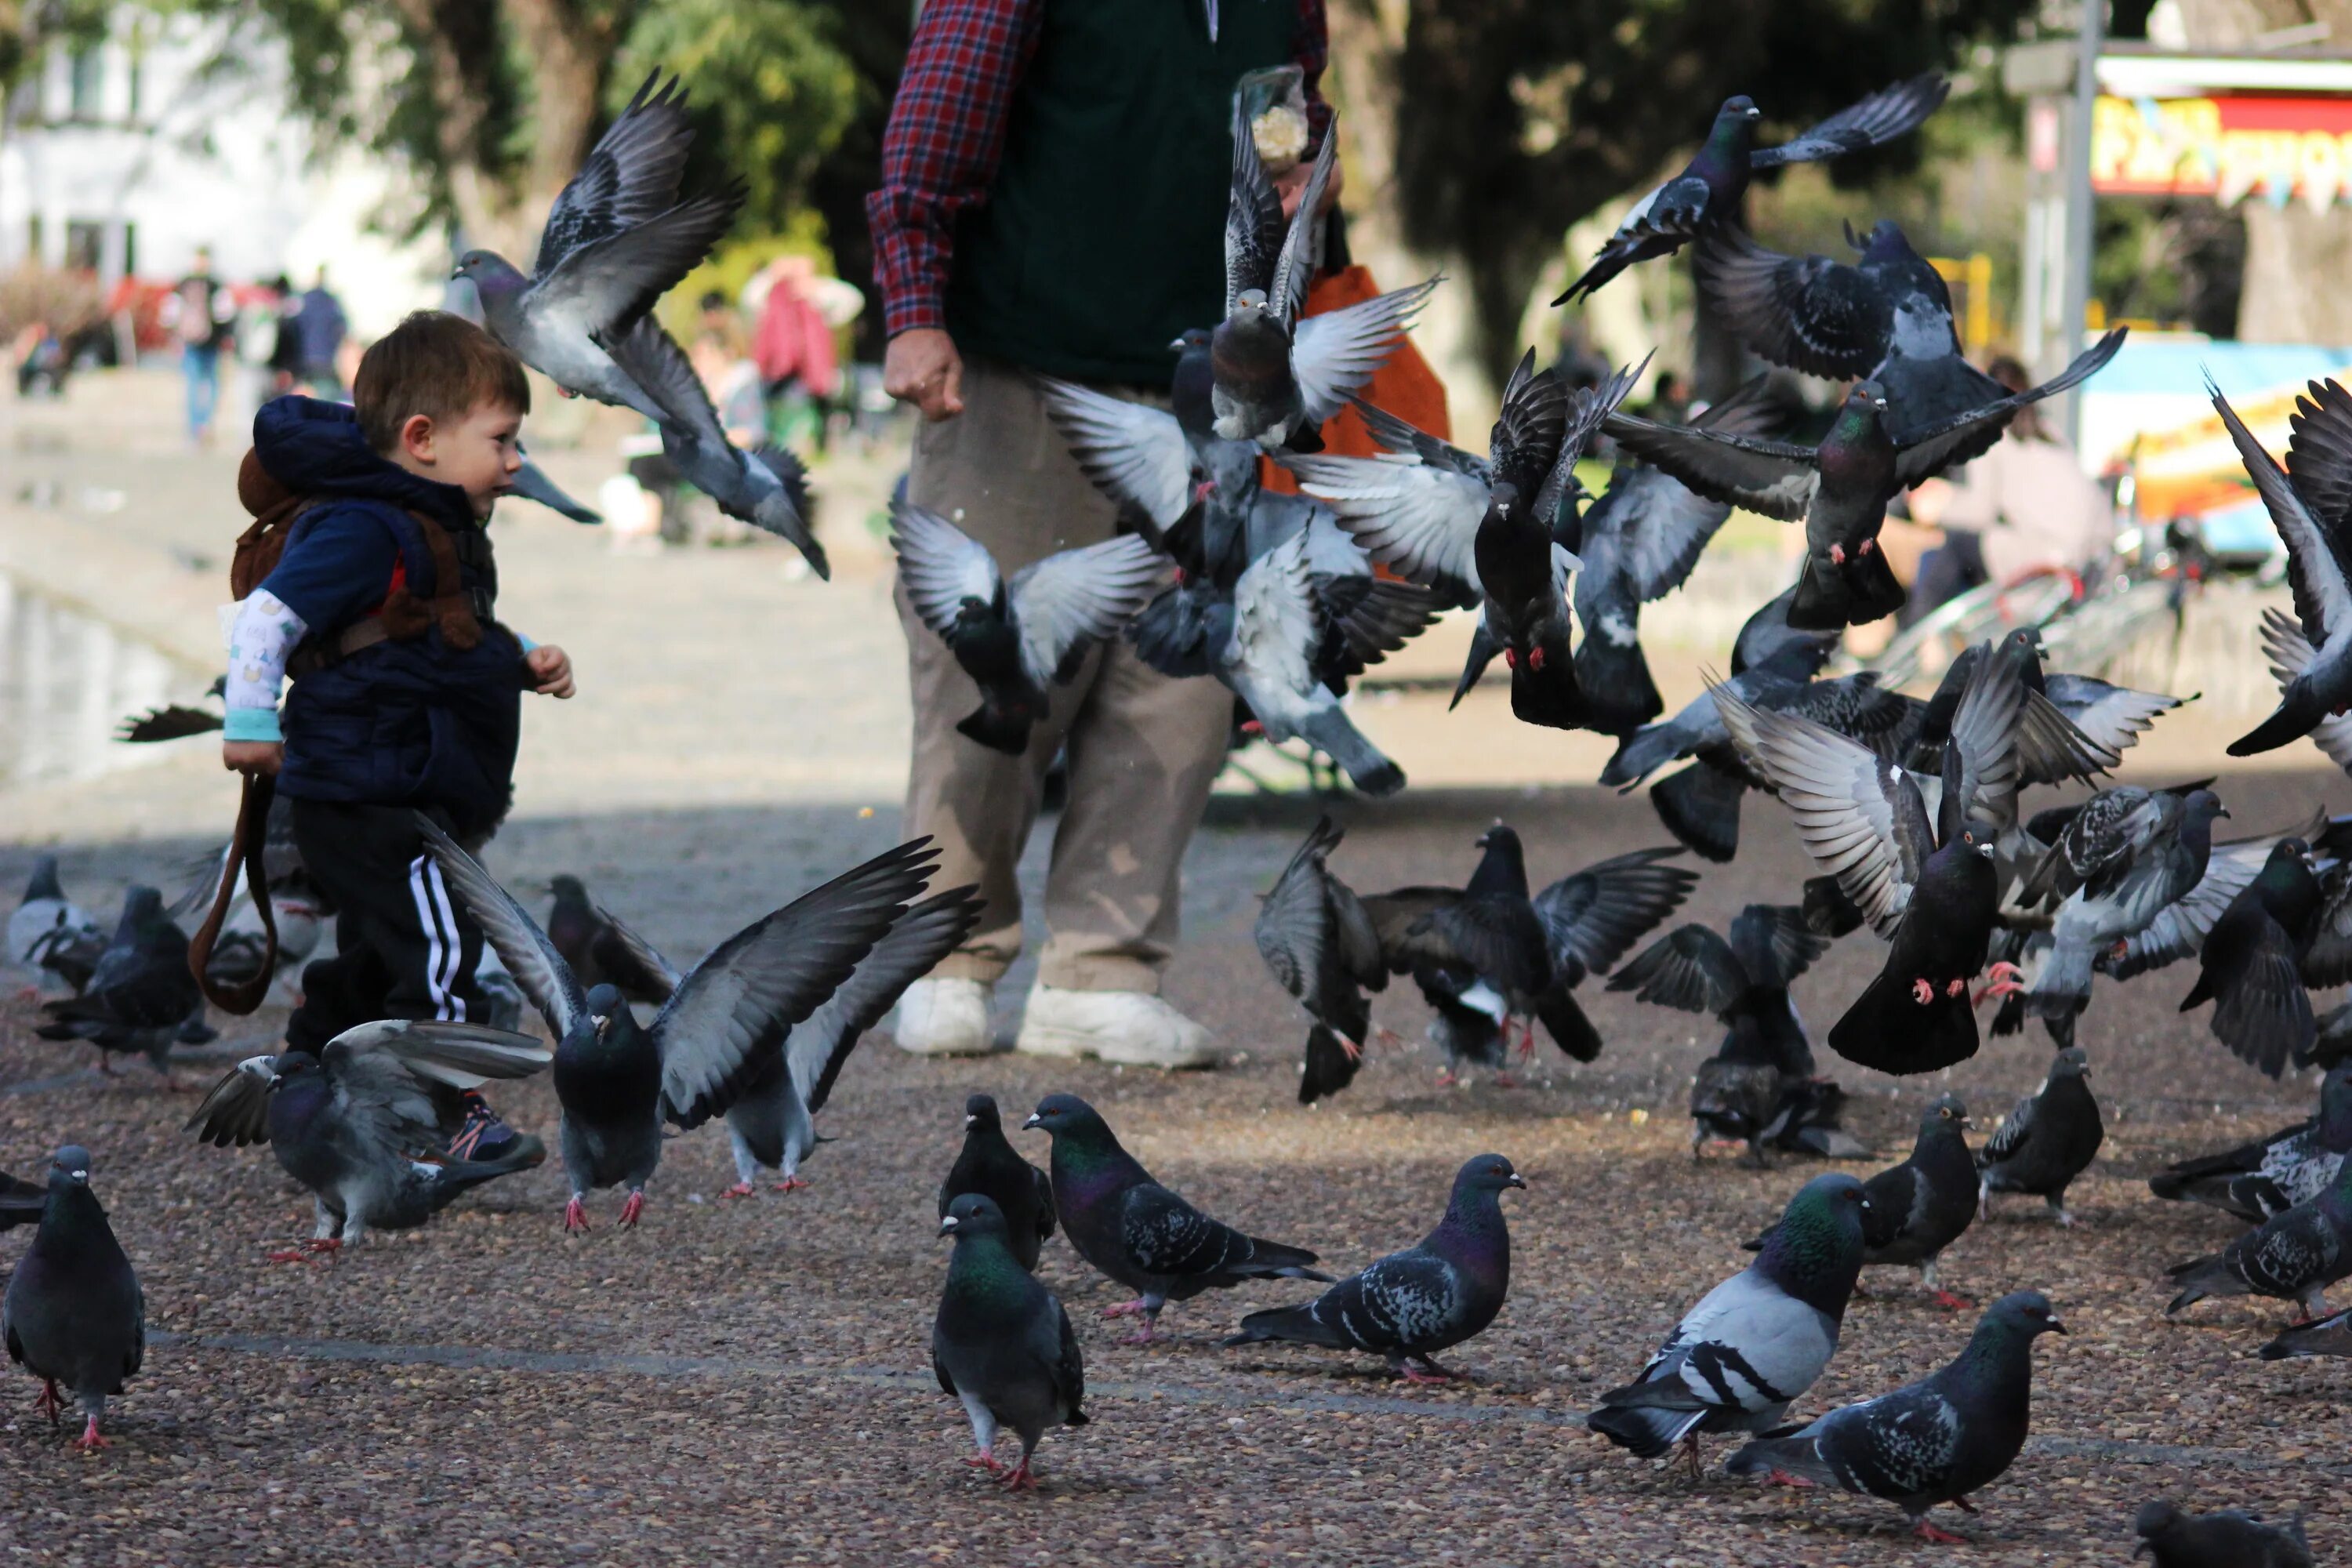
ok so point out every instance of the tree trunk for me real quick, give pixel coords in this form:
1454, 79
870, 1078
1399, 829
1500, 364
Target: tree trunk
570, 44
457, 42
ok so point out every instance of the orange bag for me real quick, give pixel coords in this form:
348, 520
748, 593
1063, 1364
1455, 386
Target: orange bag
1405, 386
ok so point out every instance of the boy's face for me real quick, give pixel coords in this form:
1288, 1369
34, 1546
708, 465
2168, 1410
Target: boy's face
478, 452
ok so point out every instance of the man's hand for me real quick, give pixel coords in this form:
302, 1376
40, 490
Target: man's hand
550, 668
922, 367
253, 756
1291, 184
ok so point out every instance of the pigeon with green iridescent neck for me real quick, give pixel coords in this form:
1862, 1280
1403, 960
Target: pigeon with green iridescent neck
1001, 1345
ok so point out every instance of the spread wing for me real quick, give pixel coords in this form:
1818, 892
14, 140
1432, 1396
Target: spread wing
2179, 928
1775, 477
631, 175
2290, 655
236, 1111
1882, 116
815, 1051
1592, 917
648, 958
941, 566
1808, 312
1077, 597
1295, 265
1928, 450
538, 969
1254, 228
601, 286
1336, 352
1529, 428
1774, 943
652, 359
1417, 517
1132, 451
2316, 559
1690, 968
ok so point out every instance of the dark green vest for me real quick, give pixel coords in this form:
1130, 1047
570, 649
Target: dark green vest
1104, 234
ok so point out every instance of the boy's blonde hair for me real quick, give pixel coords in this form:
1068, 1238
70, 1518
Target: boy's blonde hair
436, 365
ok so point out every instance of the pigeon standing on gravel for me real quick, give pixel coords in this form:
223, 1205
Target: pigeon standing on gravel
1411, 1305
1920, 1207
50, 937
1001, 1345
354, 1124
141, 995
2231, 1537
2327, 1336
989, 1166
2293, 1257
1138, 1232
1711, 186
602, 949
2048, 1141
2258, 1181
1017, 641
73, 1314
1318, 941
618, 1083
1931, 1442
1754, 1343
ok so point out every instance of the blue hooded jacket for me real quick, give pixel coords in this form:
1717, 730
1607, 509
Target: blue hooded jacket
414, 721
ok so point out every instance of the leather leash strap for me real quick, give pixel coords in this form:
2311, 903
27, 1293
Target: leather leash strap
245, 849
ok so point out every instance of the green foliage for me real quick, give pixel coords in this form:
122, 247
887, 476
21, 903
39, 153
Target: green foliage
731, 267
30, 28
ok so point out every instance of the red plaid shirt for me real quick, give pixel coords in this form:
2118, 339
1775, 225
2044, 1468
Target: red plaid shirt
946, 137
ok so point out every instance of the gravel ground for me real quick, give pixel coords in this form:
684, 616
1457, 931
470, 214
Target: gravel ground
750, 1383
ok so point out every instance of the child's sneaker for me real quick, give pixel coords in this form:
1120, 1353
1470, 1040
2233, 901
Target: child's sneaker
483, 1137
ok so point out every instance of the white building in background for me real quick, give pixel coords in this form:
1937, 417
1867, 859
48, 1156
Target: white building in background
126, 157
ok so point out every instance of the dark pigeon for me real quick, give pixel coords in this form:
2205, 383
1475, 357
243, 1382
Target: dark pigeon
50, 937
1319, 942
74, 1314
1920, 1207
988, 1166
1713, 184
1754, 1343
2231, 1537
602, 949
1001, 1344
2293, 1257
362, 1125
1136, 1231
2327, 1336
141, 994
1411, 1305
2264, 1179
21, 1202
2123, 858
2048, 1141
2252, 965
1931, 1442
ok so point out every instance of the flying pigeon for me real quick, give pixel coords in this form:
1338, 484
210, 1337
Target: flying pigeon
2264, 1179
2051, 748
1841, 487
1410, 1305
1318, 941
1017, 641
618, 1083
363, 1123
2048, 1141
51, 937
2125, 856
530, 482
2252, 967
73, 1314
988, 1166
1138, 1232
1001, 1344
141, 995
602, 949
2231, 1537
1711, 186
2294, 1257
1929, 1442
616, 239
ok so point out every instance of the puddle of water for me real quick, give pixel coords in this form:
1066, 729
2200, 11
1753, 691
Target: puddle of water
67, 680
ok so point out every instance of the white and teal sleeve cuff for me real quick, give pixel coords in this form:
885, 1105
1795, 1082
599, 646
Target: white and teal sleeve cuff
251, 724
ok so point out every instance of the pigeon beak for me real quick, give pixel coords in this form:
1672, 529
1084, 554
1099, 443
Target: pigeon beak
971, 1122
1176, 345
2058, 1328
2222, 811
1034, 1120
1969, 1124
79, 1175
1518, 1181
948, 1226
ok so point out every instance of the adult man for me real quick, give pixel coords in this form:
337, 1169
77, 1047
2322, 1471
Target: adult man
204, 317
320, 328
1054, 190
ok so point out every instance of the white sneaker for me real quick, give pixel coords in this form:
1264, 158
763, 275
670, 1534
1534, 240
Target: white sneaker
944, 1017
1129, 1028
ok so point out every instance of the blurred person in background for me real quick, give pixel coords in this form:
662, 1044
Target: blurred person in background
320, 330
40, 360
201, 317
284, 364
793, 346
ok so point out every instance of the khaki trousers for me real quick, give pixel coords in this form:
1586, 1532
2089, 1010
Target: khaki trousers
1142, 749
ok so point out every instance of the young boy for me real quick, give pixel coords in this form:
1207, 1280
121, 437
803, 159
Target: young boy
406, 694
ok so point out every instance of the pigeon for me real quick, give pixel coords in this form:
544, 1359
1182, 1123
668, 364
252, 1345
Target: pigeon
2252, 964
141, 995
175, 721
301, 914
2125, 856
2180, 928
1411, 1305
2264, 1179
73, 1314
1749, 1088
602, 949
1934, 893
1754, 1343
1920, 1207
1319, 942
2308, 501
1275, 376
1138, 1232
1001, 1343
21, 1202
1841, 487
363, 1123
618, 1083
989, 1166
1932, 1441
2330, 1335
1156, 468
767, 486
616, 239
2294, 1257
771, 1122
51, 937
1020, 640
2049, 1139
1712, 185
2050, 748
2231, 1537
531, 483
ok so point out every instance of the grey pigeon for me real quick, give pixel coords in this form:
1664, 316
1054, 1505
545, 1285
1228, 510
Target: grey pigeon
616, 239
2264, 1179
1001, 1345
772, 1122
1411, 1305
2327, 1336
1712, 185
50, 937
363, 1123
74, 1315
2125, 856
728, 1014
2048, 1141
1138, 1232
2229, 1538
1754, 1343
988, 1166
1930, 1442
1018, 640
2293, 1257
1318, 941
767, 486
1920, 1207
141, 995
